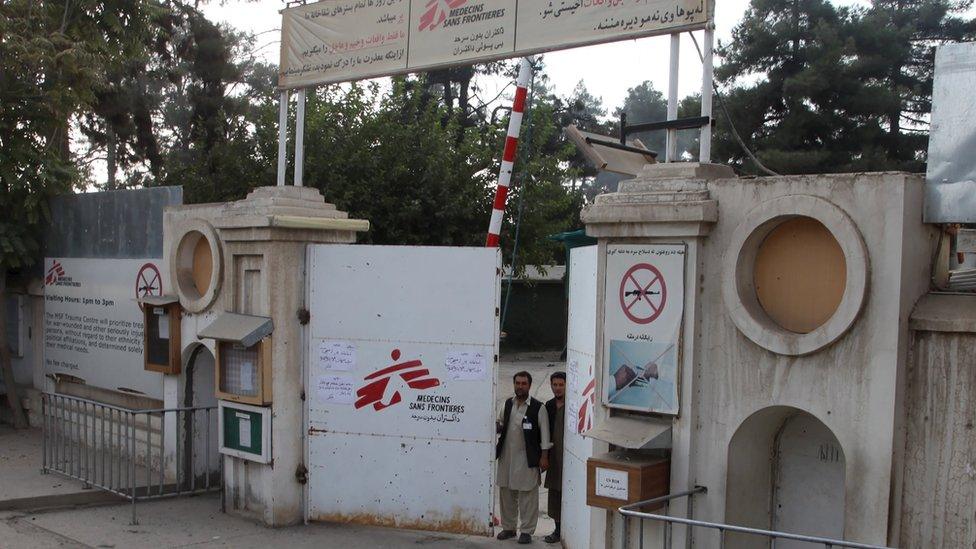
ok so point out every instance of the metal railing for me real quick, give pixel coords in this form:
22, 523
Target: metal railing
135, 454
630, 511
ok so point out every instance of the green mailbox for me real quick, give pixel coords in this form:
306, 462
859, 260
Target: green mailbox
245, 431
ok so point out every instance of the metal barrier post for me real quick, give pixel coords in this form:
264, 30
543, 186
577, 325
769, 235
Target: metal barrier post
132, 465
44, 433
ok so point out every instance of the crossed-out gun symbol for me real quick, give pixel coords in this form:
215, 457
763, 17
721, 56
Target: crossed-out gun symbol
640, 293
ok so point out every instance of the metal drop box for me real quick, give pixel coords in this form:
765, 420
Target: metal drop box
624, 477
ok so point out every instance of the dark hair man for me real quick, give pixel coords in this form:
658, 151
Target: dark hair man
556, 410
522, 451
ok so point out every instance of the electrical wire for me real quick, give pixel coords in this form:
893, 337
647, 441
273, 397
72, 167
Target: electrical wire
728, 117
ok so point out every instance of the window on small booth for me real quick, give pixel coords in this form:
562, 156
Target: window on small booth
244, 372
161, 334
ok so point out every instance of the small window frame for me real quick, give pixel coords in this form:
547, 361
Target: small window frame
263, 374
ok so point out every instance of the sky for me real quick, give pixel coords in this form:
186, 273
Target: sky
607, 70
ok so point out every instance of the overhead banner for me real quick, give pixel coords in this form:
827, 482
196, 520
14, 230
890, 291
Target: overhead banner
643, 310
93, 323
341, 40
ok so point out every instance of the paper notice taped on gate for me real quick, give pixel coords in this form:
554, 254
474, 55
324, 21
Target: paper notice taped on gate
333, 389
337, 356
466, 365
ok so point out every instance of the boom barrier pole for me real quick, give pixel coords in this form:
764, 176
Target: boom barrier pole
511, 147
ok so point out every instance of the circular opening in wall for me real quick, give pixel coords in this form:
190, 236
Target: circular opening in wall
800, 274
202, 267
196, 262
796, 274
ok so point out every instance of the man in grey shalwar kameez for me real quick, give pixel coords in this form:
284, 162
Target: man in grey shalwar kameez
522, 451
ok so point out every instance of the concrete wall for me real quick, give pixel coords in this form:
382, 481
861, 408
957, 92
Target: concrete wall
114, 224
851, 385
742, 376
251, 238
938, 497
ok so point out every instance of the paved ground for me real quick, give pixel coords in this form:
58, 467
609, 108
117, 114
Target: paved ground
21, 483
197, 521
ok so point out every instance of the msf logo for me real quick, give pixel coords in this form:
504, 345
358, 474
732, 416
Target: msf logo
410, 374
55, 273
437, 11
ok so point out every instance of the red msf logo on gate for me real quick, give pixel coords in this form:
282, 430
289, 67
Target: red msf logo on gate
412, 373
437, 11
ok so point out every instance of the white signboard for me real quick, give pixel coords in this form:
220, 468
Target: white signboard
643, 310
416, 407
93, 323
340, 40
611, 483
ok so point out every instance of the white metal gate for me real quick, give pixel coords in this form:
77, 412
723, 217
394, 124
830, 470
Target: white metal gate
578, 521
400, 382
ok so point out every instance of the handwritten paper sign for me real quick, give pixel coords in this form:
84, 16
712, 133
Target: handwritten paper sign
337, 356
611, 483
340, 40
466, 365
333, 389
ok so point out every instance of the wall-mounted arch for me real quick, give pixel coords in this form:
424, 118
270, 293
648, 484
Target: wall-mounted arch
786, 472
199, 447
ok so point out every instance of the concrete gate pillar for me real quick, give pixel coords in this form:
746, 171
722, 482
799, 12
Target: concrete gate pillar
665, 204
257, 249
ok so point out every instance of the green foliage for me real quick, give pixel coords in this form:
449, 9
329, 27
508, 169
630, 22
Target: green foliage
815, 88
424, 174
52, 59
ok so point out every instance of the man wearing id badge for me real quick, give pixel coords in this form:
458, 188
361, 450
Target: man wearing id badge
522, 453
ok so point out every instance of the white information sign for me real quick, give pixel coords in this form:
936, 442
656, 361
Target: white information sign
93, 324
611, 483
643, 310
340, 40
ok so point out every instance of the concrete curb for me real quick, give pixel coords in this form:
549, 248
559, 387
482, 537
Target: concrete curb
60, 501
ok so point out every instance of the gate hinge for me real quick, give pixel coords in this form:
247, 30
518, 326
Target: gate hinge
301, 474
304, 316
302, 396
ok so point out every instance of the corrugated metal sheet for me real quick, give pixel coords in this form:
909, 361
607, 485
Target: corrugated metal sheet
114, 225
950, 193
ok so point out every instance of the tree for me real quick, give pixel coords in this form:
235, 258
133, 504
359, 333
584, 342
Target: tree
815, 88
801, 116
895, 44
51, 60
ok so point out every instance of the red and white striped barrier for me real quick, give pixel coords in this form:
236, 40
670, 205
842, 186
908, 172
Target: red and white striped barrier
511, 147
